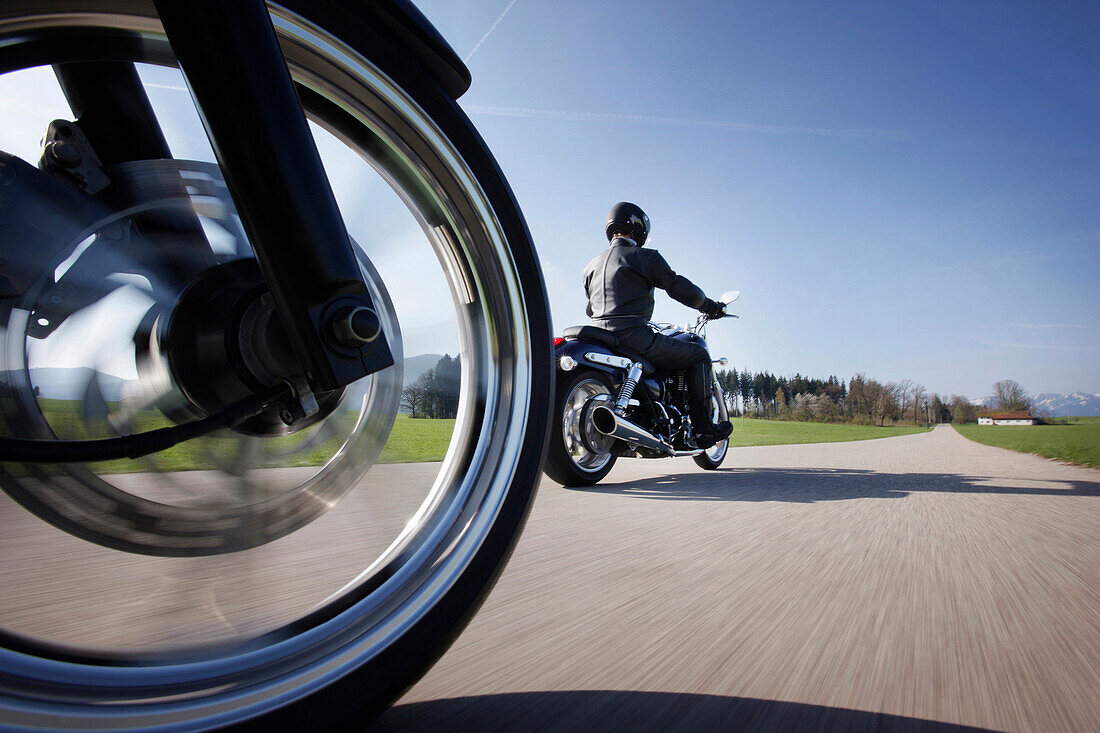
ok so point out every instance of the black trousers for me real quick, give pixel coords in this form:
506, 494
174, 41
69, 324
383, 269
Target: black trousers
664, 352
671, 354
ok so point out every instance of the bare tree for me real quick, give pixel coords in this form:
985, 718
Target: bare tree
918, 393
901, 396
412, 399
962, 411
1009, 395
886, 400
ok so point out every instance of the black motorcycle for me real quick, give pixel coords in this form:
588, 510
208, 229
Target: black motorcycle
161, 313
611, 403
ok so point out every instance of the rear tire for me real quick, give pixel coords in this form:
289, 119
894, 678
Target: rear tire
570, 459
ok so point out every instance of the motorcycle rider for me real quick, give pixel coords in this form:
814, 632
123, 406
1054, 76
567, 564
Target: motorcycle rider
619, 283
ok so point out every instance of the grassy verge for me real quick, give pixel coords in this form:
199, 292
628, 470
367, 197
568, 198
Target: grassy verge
780, 432
1075, 421
410, 441
1078, 442
413, 441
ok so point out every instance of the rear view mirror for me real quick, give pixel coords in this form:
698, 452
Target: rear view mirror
729, 296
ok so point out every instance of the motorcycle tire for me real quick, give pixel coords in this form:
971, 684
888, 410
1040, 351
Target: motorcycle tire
570, 459
346, 657
712, 458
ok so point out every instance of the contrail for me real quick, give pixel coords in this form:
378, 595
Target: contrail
852, 133
492, 28
547, 114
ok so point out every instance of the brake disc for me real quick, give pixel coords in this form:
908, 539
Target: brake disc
87, 353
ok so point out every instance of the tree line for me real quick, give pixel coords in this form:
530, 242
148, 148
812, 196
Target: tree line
435, 393
860, 400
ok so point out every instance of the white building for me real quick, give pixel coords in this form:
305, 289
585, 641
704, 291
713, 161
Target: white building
1006, 418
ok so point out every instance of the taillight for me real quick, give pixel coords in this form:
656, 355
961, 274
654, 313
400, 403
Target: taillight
558, 341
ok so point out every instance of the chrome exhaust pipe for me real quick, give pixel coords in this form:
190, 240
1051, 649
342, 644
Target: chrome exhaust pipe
607, 422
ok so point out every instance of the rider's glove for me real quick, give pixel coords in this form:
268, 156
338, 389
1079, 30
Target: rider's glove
714, 309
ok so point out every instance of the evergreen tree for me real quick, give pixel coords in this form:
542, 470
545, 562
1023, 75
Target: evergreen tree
745, 383
435, 393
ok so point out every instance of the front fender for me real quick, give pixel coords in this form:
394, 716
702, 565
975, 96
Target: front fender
399, 36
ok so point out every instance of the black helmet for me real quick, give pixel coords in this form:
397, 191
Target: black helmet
629, 219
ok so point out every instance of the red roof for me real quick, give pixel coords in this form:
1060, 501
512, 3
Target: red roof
1008, 415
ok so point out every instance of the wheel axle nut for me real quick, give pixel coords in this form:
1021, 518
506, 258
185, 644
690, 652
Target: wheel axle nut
354, 327
64, 154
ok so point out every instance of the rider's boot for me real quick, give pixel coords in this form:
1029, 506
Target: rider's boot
706, 432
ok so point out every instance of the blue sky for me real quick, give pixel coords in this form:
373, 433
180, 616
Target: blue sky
904, 190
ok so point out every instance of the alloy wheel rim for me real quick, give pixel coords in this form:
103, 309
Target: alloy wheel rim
578, 436
395, 589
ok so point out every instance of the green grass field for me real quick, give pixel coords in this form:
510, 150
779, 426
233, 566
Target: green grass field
1078, 442
779, 432
411, 441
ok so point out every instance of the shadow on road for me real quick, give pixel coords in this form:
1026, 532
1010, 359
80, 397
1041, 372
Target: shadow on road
645, 711
826, 484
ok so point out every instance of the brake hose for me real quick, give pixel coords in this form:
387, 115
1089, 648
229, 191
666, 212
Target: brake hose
24, 450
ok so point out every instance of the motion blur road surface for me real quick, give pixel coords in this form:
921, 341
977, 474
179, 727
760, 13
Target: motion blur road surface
914, 583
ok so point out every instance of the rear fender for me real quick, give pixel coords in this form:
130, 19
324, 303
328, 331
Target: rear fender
577, 351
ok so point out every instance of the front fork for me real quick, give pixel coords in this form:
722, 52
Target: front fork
232, 62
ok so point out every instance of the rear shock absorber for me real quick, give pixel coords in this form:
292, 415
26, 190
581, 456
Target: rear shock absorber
632, 376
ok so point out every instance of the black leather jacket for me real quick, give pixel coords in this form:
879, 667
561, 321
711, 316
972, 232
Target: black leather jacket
619, 283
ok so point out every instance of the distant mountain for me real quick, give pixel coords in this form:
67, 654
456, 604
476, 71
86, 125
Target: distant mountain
417, 365
1077, 404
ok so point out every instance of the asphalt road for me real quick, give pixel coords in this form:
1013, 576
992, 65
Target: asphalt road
915, 583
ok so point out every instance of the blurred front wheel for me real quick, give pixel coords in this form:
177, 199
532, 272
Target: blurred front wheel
291, 579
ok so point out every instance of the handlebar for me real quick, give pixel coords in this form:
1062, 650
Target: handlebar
700, 322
